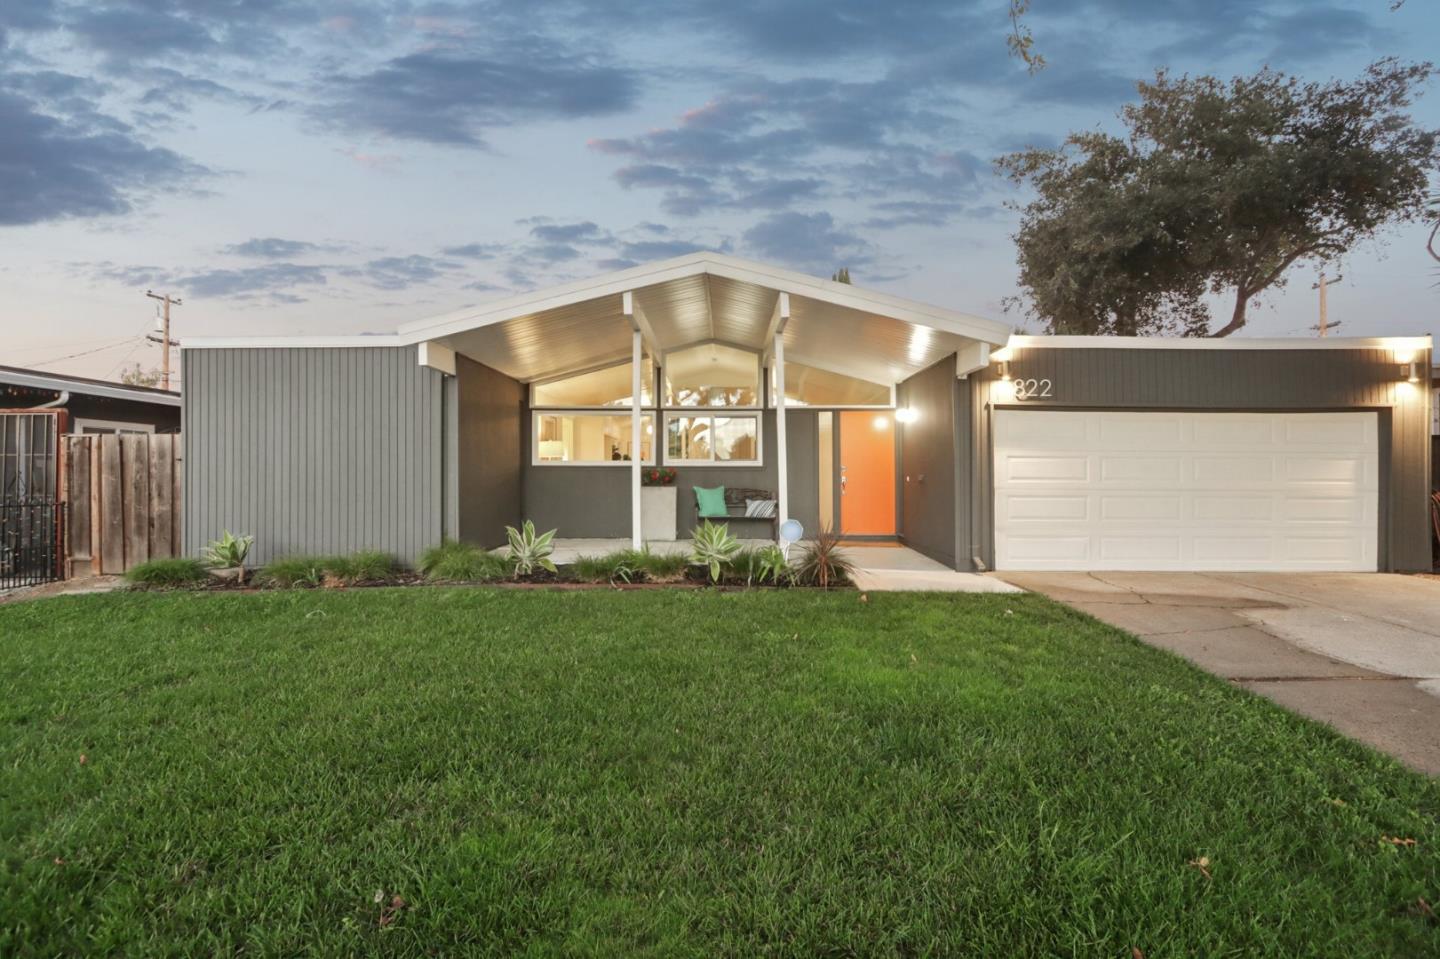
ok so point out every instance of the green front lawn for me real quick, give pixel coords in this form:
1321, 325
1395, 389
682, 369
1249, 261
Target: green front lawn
672, 773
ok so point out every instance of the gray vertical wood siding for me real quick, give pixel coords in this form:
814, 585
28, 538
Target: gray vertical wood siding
930, 487
313, 450
1233, 379
491, 408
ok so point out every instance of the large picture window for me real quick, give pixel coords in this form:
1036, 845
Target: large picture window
729, 440
610, 386
713, 375
590, 438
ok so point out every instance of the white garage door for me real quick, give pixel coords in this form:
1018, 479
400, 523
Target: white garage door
1185, 491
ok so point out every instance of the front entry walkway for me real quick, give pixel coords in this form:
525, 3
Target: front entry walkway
878, 568
1359, 651
892, 568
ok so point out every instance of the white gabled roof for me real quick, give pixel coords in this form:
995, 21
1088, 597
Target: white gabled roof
707, 297
680, 268
697, 298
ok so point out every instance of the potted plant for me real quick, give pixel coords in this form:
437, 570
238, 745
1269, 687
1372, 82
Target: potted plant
657, 503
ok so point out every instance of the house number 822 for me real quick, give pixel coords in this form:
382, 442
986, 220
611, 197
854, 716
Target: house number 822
1032, 389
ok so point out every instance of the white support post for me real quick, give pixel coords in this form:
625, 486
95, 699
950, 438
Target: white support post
635, 457
782, 480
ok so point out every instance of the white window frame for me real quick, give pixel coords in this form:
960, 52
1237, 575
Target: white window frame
618, 412
655, 377
760, 388
119, 426
727, 412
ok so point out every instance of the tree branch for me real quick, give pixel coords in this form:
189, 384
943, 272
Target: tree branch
1285, 264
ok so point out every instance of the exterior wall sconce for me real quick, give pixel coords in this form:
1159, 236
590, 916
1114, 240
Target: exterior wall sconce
906, 415
1411, 371
1005, 371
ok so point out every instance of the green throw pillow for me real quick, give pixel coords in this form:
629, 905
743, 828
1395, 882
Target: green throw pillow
711, 501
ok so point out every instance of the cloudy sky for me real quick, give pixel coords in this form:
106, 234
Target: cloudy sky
291, 166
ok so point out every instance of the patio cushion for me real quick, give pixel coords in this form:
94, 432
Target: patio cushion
711, 502
762, 508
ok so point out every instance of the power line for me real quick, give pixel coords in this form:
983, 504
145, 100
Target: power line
71, 356
139, 342
51, 346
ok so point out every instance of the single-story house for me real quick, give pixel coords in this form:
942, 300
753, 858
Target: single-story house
848, 408
95, 406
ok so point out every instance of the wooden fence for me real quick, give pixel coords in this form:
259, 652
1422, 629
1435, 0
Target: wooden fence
124, 498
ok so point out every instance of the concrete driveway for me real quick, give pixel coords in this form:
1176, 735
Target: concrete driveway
1360, 651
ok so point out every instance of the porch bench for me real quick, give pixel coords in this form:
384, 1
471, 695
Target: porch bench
735, 497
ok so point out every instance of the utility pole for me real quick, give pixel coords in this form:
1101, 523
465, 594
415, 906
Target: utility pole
1324, 325
164, 338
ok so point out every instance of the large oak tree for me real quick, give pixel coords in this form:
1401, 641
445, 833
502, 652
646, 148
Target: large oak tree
1218, 187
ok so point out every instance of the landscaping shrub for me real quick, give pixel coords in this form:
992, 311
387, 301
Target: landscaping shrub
529, 550
604, 569
713, 547
167, 573
292, 571
774, 567
371, 565
743, 567
823, 563
657, 567
229, 552
462, 563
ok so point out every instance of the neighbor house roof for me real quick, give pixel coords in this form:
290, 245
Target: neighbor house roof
63, 383
698, 298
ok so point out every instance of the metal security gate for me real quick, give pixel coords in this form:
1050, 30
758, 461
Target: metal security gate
31, 498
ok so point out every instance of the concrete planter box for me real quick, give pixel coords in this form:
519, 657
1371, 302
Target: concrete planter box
657, 512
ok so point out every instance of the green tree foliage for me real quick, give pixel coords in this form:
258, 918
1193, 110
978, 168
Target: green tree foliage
841, 275
1218, 187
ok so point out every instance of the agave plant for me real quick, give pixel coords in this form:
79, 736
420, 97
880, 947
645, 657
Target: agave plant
530, 550
713, 547
229, 552
774, 567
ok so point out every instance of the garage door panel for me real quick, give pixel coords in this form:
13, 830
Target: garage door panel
1022, 468
1234, 431
1231, 471
1348, 471
1149, 509
1326, 432
1029, 507
1140, 432
1327, 510
1063, 431
1176, 491
1143, 470
1229, 508
1149, 548
1322, 549
1048, 552
1224, 551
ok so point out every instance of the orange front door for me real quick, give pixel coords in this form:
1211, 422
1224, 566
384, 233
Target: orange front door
867, 473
